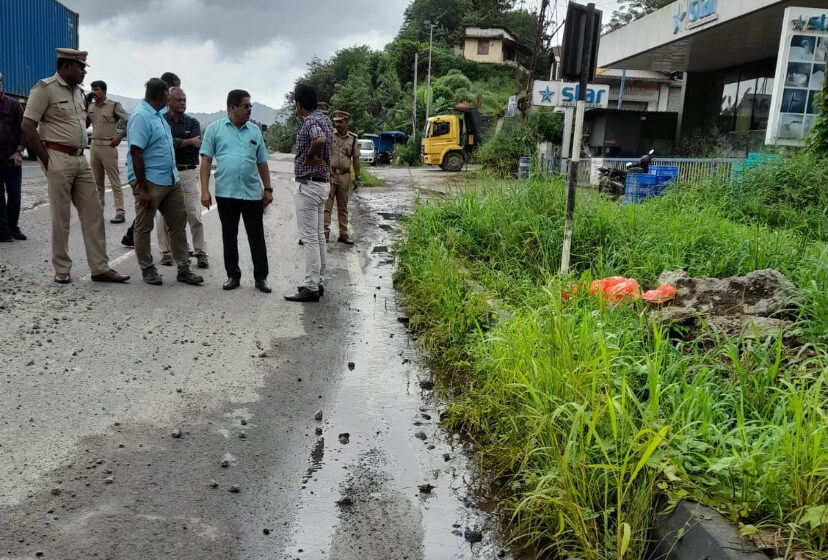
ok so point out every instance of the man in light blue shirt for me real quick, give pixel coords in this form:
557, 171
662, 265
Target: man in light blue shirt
154, 180
241, 172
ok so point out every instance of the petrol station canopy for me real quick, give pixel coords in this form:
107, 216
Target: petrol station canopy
700, 35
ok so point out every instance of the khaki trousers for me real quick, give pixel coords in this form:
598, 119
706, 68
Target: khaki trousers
70, 183
340, 189
104, 159
169, 200
192, 204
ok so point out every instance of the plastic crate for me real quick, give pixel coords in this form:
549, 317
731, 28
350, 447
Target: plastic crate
664, 170
639, 187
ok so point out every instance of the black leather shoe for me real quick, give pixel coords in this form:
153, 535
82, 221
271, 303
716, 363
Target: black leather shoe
127, 241
231, 284
303, 295
118, 219
19, 235
321, 289
262, 286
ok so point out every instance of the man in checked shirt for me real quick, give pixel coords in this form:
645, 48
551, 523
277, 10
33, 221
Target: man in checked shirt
311, 168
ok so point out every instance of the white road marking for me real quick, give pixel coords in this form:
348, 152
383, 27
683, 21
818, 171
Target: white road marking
131, 252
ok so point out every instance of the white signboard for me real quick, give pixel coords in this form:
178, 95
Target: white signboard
565, 94
800, 73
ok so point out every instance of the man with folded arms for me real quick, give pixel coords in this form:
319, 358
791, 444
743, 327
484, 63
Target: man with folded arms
311, 170
243, 188
54, 126
155, 183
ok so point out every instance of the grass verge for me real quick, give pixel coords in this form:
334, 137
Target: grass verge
589, 414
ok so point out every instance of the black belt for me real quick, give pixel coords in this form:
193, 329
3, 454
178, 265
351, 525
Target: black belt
185, 167
314, 179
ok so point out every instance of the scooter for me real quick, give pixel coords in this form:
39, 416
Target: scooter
612, 182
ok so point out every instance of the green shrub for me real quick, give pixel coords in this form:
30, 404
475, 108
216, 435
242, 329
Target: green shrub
501, 151
408, 154
790, 193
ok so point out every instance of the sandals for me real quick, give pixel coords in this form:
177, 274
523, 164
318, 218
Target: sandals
62, 278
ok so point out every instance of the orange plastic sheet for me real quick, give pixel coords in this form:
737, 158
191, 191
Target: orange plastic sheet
616, 288
662, 294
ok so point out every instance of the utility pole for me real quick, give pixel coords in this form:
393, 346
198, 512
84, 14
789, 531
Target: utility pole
538, 35
431, 25
414, 107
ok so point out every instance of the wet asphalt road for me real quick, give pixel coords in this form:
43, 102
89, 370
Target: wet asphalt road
97, 380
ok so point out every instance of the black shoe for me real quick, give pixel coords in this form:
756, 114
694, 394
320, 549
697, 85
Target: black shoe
17, 234
6, 239
231, 284
118, 219
262, 286
321, 289
345, 240
151, 276
303, 295
127, 241
188, 276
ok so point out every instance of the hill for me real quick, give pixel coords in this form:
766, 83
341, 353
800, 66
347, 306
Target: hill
261, 112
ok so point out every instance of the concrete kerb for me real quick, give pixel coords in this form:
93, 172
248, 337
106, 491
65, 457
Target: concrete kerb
696, 532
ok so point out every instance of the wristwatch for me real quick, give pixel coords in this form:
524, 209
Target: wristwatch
268, 189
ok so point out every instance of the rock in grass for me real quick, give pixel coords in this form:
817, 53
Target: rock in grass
425, 488
351, 365
344, 501
213, 484
427, 385
235, 489
344, 438
176, 433
421, 435
318, 416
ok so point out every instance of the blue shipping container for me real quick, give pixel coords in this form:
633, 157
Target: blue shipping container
30, 31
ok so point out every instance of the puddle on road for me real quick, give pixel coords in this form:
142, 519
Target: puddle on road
363, 499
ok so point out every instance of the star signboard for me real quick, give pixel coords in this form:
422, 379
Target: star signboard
565, 94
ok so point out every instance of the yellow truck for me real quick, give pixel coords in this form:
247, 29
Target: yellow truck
449, 140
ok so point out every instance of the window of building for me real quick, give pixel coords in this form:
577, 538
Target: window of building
483, 46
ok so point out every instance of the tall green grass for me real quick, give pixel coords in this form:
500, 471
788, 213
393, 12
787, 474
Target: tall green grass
590, 413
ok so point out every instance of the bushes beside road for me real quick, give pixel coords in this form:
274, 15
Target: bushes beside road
589, 415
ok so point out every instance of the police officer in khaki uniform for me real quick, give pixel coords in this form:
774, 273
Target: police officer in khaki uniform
345, 153
108, 119
54, 125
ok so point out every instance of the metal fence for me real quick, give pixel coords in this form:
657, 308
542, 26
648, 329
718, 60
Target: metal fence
691, 170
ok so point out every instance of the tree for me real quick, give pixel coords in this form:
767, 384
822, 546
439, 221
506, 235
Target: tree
354, 95
633, 9
387, 90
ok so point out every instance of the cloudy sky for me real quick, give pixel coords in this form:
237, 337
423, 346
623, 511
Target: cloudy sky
218, 45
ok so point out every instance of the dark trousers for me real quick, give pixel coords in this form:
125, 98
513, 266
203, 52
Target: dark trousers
11, 177
252, 212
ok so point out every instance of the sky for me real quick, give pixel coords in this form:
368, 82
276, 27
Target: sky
261, 46
214, 46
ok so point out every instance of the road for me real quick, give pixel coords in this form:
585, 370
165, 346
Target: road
97, 379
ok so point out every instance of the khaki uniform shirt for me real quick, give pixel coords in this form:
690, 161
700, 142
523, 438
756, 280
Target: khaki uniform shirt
108, 118
59, 110
343, 150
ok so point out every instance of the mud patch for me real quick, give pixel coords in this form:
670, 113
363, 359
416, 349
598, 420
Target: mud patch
757, 305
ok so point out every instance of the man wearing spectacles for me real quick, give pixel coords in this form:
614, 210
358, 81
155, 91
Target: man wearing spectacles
243, 188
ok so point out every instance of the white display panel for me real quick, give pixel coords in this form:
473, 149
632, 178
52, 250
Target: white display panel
800, 74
